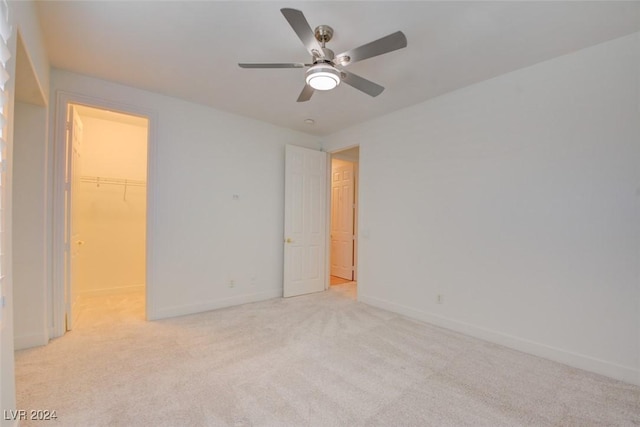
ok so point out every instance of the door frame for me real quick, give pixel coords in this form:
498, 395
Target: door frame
356, 216
63, 99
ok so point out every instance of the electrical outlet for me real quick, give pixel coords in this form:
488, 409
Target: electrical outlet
439, 299
232, 283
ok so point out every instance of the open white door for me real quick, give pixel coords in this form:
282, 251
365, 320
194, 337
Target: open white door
72, 240
304, 221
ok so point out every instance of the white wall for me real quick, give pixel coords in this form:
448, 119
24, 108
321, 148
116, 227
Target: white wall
29, 244
23, 18
518, 200
201, 236
111, 219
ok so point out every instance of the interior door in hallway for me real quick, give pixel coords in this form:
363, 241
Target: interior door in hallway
304, 221
342, 217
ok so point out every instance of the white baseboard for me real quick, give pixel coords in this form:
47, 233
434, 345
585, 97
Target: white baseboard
588, 363
163, 313
111, 291
20, 342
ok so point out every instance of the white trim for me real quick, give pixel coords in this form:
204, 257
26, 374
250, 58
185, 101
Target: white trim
63, 99
57, 256
327, 225
576, 360
21, 342
181, 310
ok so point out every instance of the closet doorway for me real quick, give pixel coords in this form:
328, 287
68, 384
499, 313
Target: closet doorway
106, 205
344, 218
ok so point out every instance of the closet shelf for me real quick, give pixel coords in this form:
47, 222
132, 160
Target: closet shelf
99, 180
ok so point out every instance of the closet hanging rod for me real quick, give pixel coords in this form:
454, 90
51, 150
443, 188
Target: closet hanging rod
113, 181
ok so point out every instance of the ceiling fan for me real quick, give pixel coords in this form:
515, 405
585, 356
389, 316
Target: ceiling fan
323, 73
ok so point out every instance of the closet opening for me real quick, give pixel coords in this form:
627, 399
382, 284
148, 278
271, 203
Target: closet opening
106, 215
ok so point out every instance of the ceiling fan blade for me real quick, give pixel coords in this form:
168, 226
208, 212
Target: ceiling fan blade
306, 93
360, 83
300, 25
386, 44
274, 65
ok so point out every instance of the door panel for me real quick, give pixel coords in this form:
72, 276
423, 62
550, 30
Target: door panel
304, 221
342, 216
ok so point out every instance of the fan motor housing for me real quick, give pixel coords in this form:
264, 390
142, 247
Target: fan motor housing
328, 54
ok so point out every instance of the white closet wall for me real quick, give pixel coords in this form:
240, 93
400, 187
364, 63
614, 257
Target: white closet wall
111, 217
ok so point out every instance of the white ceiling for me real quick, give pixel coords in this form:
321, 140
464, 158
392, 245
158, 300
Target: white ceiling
190, 50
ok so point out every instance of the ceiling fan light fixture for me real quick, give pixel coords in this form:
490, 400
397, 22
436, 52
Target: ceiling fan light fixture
323, 77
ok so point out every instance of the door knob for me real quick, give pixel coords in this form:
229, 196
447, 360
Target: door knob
288, 240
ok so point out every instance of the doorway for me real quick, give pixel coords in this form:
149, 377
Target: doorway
344, 217
106, 203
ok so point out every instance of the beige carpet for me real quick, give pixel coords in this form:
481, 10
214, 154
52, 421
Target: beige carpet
316, 360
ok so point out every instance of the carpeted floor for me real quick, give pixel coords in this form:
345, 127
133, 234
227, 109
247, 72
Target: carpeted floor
335, 280
316, 360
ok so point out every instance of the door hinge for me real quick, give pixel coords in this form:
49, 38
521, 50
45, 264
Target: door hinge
67, 125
